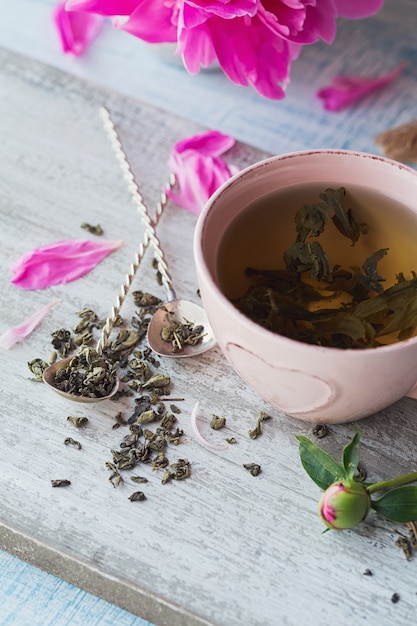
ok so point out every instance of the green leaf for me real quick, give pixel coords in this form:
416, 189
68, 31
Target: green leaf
319, 465
350, 456
398, 505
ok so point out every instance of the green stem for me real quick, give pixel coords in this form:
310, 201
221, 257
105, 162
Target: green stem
395, 482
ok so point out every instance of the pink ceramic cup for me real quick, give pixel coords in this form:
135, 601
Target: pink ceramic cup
312, 383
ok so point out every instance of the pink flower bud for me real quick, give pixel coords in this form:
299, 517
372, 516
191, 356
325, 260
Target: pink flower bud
344, 504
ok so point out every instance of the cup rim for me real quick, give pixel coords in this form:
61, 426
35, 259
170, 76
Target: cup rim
225, 302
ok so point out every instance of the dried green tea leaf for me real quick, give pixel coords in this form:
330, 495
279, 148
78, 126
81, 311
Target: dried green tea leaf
253, 468
72, 442
37, 367
78, 422
93, 230
177, 471
138, 479
62, 341
217, 422
156, 381
115, 477
60, 482
146, 416
320, 431
257, 430
137, 496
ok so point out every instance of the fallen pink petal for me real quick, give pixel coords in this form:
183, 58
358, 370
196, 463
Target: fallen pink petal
11, 336
346, 90
198, 168
76, 30
60, 262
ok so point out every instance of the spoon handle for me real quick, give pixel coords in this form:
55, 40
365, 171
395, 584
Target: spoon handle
124, 289
139, 201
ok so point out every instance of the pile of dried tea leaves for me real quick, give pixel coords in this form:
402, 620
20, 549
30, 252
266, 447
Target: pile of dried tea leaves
288, 301
153, 423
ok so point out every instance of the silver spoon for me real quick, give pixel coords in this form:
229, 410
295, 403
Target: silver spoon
49, 375
175, 313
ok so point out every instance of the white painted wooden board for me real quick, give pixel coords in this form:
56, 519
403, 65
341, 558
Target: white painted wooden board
223, 547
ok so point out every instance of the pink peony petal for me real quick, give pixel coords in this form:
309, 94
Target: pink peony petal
153, 24
60, 262
211, 143
198, 168
19, 332
346, 90
76, 30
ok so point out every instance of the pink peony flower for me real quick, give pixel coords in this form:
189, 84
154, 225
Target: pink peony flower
346, 90
254, 41
198, 168
76, 30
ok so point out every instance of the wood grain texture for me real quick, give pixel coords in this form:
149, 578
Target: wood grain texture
223, 548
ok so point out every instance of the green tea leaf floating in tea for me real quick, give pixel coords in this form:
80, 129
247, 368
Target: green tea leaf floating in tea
297, 301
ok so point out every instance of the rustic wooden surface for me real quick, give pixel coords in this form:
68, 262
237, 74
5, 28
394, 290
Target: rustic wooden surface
222, 548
